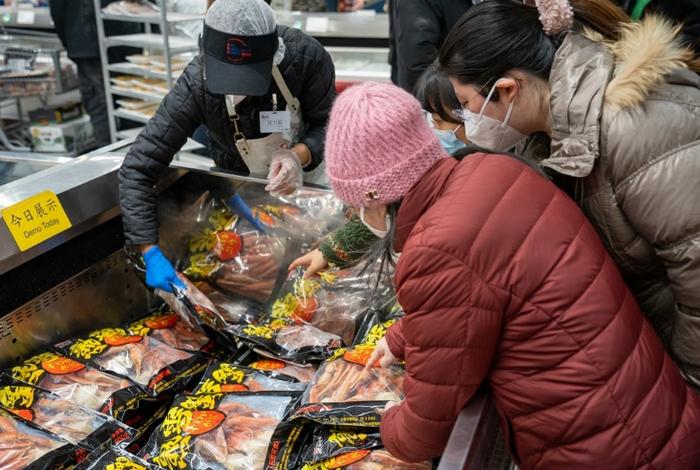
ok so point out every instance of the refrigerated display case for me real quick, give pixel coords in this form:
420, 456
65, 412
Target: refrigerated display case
81, 280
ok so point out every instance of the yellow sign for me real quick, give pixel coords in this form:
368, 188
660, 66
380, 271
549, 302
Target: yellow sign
36, 219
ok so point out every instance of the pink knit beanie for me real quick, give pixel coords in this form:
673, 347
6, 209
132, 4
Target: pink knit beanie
378, 145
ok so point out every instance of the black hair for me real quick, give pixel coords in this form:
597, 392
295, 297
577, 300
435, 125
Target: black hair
497, 36
436, 93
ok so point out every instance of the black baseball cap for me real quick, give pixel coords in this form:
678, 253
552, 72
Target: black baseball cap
239, 42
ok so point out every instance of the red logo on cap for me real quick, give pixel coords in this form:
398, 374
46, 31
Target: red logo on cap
237, 51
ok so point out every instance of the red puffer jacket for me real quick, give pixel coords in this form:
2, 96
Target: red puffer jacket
503, 279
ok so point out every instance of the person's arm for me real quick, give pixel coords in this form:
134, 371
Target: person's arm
347, 245
317, 100
419, 39
661, 203
450, 332
178, 115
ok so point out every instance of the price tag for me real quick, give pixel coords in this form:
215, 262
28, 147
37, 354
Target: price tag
273, 122
25, 16
36, 219
317, 24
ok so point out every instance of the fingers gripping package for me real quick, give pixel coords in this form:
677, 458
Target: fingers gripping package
81, 384
115, 459
77, 425
223, 377
25, 446
237, 261
218, 431
154, 366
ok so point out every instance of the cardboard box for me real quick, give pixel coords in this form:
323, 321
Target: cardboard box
69, 137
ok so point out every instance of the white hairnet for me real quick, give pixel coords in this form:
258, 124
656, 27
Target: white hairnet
244, 18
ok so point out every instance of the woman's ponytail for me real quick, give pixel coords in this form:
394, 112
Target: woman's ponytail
602, 16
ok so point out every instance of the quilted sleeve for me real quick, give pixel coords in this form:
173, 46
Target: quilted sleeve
347, 245
450, 330
661, 202
177, 117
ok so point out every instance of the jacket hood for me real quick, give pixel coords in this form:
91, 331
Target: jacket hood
589, 75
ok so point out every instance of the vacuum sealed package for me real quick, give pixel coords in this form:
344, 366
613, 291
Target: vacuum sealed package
115, 459
299, 344
379, 459
79, 383
24, 446
255, 361
154, 366
218, 431
169, 328
337, 301
237, 261
223, 377
232, 310
88, 429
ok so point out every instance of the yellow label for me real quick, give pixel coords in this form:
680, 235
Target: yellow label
36, 219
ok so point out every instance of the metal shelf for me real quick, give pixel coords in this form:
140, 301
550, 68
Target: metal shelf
132, 69
171, 17
177, 44
123, 113
137, 95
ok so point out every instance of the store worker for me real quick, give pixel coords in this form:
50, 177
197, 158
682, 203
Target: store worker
351, 243
621, 104
76, 25
504, 283
248, 69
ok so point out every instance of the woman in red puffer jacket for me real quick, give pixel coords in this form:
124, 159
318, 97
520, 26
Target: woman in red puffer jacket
504, 281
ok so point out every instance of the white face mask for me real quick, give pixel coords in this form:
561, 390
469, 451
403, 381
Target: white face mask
378, 233
488, 132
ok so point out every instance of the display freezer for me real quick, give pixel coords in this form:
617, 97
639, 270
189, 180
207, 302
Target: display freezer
81, 280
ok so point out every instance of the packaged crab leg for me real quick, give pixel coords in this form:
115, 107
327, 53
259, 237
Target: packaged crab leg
232, 310
253, 360
24, 446
77, 425
218, 431
115, 459
171, 329
79, 383
153, 365
378, 459
223, 377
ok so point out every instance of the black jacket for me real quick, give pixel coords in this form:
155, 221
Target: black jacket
419, 28
76, 26
309, 73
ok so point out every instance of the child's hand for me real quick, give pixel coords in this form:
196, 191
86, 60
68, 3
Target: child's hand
312, 261
383, 354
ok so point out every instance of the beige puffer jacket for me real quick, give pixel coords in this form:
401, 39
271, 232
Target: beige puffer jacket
626, 123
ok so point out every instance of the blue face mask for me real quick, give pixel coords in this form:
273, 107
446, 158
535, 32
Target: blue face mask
449, 140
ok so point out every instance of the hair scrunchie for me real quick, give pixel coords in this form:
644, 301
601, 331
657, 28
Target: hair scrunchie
556, 16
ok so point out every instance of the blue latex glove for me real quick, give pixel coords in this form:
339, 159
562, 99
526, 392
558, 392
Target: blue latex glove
160, 274
239, 206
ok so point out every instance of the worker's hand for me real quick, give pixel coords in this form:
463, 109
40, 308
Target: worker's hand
160, 274
286, 174
313, 261
240, 207
383, 354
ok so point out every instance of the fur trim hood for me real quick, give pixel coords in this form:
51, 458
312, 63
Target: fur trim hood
589, 75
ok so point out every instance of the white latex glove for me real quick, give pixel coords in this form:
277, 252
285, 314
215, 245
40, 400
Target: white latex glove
286, 174
383, 354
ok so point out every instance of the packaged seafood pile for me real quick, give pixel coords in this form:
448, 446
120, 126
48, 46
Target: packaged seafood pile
154, 366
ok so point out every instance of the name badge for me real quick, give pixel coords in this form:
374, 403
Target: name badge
274, 122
